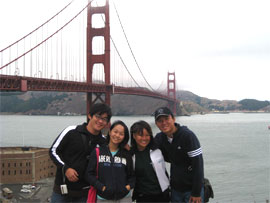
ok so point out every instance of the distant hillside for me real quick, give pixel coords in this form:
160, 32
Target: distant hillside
25, 103
195, 103
253, 105
55, 103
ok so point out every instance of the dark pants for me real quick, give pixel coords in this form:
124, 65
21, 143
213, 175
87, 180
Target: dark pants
58, 198
184, 197
161, 197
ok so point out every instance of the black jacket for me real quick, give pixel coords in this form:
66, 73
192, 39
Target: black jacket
113, 172
69, 150
185, 156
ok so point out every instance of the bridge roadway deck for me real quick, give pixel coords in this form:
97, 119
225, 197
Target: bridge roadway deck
21, 83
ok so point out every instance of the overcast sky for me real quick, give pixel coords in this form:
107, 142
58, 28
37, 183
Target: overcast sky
218, 49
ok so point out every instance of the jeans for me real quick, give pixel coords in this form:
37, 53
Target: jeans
124, 200
58, 198
183, 196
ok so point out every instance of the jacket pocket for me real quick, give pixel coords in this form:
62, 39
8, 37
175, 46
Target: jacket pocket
107, 193
122, 193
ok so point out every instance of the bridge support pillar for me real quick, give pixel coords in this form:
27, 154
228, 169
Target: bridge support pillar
93, 59
171, 90
88, 103
24, 85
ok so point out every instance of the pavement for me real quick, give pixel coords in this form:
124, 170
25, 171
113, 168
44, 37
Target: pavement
41, 194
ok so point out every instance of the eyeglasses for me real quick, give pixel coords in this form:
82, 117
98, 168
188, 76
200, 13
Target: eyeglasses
103, 119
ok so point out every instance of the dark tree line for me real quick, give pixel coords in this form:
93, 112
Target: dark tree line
253, 104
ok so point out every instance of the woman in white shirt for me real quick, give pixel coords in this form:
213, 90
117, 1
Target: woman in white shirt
152, 182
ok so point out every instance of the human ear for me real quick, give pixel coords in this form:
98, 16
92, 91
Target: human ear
89, 117
133, 135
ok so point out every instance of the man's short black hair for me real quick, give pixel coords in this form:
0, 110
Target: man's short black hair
101, 108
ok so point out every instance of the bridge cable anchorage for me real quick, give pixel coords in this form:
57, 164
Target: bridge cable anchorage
131, 48
121, 58
47, 37
37, 27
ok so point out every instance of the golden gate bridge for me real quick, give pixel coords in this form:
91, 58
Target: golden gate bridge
75, 52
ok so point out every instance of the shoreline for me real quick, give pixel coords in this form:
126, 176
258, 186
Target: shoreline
74, 114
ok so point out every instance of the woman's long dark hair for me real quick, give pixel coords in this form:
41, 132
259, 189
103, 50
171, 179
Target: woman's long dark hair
138, 127
126, 133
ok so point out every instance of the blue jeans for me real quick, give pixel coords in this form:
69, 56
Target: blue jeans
58, 198
183, 196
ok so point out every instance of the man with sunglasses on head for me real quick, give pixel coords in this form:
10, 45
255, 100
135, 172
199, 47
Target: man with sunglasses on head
69, 153
182, 149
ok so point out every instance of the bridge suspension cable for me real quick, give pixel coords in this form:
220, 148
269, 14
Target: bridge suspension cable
37, 27
47, 37
56, 50
118, 53
131, 48
161, 87
123, 62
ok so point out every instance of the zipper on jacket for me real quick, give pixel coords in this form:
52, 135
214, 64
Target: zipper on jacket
112, 162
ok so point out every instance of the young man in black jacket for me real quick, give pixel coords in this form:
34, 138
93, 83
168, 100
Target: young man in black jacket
69, 153
182, 149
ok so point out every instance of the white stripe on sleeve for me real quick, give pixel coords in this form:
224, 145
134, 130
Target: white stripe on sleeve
56, 144
195, 152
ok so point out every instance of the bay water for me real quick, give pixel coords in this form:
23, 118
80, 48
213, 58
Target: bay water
235, 147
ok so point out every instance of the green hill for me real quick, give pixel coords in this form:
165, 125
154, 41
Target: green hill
253, 105
57, 103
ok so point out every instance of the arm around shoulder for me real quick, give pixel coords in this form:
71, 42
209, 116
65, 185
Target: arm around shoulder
130, 171
158, 140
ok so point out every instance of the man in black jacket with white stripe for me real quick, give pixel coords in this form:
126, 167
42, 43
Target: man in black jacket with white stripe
182, 149
69, 153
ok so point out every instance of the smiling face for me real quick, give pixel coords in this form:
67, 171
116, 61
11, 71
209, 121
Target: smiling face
97, 122
142, 139
166, 124
117, 135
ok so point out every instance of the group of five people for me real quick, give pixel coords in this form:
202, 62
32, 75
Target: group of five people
126, 173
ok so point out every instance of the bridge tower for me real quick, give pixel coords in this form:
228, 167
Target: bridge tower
171, 90
93, 59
